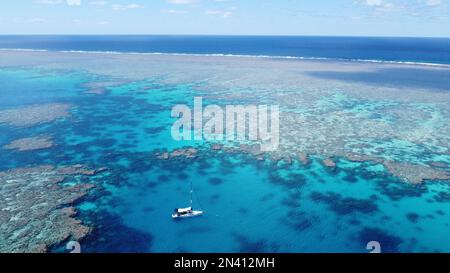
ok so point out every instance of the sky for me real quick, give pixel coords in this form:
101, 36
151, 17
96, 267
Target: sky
424, 18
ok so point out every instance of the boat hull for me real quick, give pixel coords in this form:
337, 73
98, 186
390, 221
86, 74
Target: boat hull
188, 215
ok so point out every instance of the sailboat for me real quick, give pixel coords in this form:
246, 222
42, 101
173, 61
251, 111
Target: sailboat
187, 212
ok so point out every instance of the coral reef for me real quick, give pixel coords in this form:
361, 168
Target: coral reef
321, 115
415, 174
329, 163
216, 147
30, 144
303, 158
188, 153
35, 209
36, 114
411, 173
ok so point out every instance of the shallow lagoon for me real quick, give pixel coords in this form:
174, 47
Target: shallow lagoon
278, 204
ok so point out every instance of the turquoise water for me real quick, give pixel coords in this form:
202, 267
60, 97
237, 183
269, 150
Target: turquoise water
250, 205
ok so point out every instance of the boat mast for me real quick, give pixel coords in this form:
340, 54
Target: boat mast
191, 194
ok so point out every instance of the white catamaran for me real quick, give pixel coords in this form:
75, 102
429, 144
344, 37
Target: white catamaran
186, 212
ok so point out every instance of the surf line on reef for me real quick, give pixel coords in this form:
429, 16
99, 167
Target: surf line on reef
257, 123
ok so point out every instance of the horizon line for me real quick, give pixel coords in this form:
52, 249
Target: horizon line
227, 35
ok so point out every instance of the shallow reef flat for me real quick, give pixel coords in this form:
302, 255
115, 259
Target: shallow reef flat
410, 173
374, 111
37, 210
30, 144
362, 79
416, 174
35, 114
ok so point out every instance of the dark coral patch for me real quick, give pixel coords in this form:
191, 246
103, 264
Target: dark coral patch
442, 197
396, 191
440, 212
347, 205
350, 179
152, 184
163, 178
301, 225
215, 181
155, 130
389, 243
292, 181
214, 198
355, 222
297, 220
243, 211
203, 165
413, 217
291, 202
259, 246
183, 176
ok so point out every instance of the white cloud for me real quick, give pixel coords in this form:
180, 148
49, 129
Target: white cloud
220, 13
382, 6
58, 2
175, 11
427, 9
433, 2
182, 2
374, 2
227, 14
125, 7
73, 2
49, 2
98, 3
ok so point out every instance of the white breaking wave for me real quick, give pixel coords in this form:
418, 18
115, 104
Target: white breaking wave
229, 55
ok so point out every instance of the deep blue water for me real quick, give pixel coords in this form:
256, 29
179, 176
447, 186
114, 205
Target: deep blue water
422, 50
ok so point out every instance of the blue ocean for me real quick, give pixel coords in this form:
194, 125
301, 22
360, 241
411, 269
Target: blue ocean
87, 153
421, 50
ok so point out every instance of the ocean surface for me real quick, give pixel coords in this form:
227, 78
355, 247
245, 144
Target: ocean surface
416, 50
384, 126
